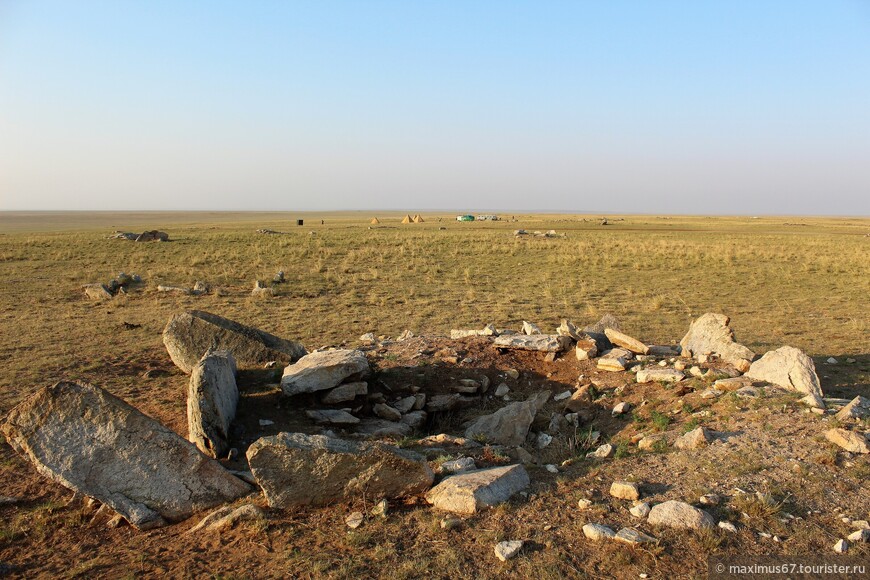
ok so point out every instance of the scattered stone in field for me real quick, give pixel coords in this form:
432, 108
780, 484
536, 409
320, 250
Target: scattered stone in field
331, 417
97, 292
848, 440
598, 532
625, 341
119, 235
458, 465
405, 404
612, 364
728, 526
831, 361
659, 375
663, 350
530, 328
354, 520
696, 372
562, 396
694, 439
510, 424
414, 419
297, 469
504, 551
748, 392
841, 547
502, 390
625, 490
551, 468
96, 444
261, 290
446, 439
640, 510
632, 537
488, 330
472, 491
346, 392
543, 440
188, 336
380, 428
278, 278
152, 236
857, 408
586, 348
406, 335
513, 373
440, 403
212, 397
323, 370
199, 288
7, 500
861, 524
859, 536
386, 412
523, 456
174, 289
680, 365
451, 524
711, 394
226, 516
584, 504
381, 509
368, 338
603, 452
580, 399
621, 408
733, 383
710, 334
710, 499
791, 369
537, 342
680, 515
651, 442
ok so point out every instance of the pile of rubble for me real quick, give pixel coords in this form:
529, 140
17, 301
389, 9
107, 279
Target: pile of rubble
92, 442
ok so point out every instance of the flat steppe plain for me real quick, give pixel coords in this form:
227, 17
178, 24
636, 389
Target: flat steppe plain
803, 282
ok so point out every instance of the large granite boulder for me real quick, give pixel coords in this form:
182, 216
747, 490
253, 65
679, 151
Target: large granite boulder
472, 491
188, 336
680, 515
790, 369
297, 469
212, 398
710, 334
323, 370
96, 444
510, 424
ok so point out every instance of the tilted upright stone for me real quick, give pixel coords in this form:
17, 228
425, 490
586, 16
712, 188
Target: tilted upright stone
472, 491
297, 469
189, 335
596, 331
212, 398
510, 424
323, 370
710, 334
791, 369
96, 444
625, 341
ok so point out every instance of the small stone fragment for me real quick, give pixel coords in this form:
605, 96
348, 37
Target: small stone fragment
354, 520
625, 490
598, 532
504, 551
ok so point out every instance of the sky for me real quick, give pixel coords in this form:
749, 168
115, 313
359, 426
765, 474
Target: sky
740, 107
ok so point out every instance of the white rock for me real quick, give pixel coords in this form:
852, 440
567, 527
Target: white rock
473, 491
603, 452
354, 520
562, 396
640, 510
506, 550
323, 370
458, 465
584, 503
791, 369
680, 515
625, 490
728, 526
544, 440
502, 390
598, 532
841, 547
860, 536
620, 408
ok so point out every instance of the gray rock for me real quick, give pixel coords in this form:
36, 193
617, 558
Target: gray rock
261, 290
848, 440
174, 290
632, 537
625, 341
405, 404
530, 328
567, 328
440, 403
857, 408
603, 452
346, 392
297, 469
510, 424
625, 490
323, 370
458, 465
612, 364
640, 510
96, 444
680, 515
596, 331
598, 532
414, 419
378, 428
188, 336
506, 550
659, 376
473, 491
694, 439
97, 292
536, 342
212, 397
710, 334
502, 390
226, 516
384, 411
354, 520
791, 369
331, 417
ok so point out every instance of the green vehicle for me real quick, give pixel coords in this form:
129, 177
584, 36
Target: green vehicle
465, 218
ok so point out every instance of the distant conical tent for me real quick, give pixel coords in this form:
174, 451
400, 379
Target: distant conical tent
418, 219
375, 221
406, 219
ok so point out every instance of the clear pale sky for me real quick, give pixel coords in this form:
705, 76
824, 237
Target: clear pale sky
738, 107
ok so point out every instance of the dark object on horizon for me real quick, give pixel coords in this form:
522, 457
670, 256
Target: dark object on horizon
299, 222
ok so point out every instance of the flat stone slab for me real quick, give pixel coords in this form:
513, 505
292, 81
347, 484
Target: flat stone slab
848, 440
189, 335
510, 424
96, 444
295, 469
472, 491
857, 408
625, 341
536, 342
323, 370
212, 398
659, 376
331, 417
346, 392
